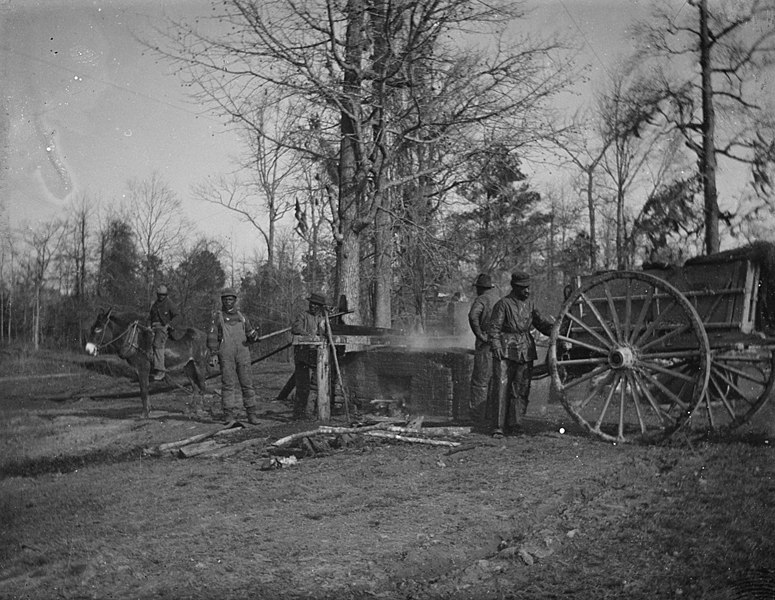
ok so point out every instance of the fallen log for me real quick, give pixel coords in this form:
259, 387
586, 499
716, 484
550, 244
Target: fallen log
196, 449
195, 438
184, 442
325, 430
465, 448
431, 430
412, 440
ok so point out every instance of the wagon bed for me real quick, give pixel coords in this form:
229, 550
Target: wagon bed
637, 355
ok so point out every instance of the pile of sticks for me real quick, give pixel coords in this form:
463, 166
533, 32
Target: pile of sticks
216, 443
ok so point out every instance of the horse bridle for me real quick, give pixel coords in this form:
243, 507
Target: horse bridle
102, 343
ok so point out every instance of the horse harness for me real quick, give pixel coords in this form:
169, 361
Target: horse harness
130, 332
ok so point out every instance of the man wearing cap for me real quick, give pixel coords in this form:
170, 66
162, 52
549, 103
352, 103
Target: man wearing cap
513, 350
228, 336
310, 322
163, 313
479, 321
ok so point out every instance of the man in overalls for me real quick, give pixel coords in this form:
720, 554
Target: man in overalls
228, 336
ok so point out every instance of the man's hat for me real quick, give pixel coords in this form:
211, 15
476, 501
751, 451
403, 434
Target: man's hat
318, 299
228, 292
483, 281
520, 278
162, 289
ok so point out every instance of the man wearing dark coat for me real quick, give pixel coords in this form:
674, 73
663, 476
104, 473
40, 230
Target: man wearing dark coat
513, 351
480, 408
162, 315
310, 322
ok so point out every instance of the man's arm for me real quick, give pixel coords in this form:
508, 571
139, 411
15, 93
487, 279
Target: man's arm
475, 320
212, 340
495, 329
251, 333
541, 323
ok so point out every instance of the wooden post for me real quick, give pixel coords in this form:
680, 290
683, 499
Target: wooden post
324, 382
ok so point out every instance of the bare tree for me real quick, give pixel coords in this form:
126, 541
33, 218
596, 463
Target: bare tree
707, 61
8, 256
633, 159
43, 243
262, 195
585, 146
154, 213
371, 78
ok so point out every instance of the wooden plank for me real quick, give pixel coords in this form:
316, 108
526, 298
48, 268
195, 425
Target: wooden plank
324, 384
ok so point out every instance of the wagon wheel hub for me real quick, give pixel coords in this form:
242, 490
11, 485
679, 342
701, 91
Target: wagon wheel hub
621, 358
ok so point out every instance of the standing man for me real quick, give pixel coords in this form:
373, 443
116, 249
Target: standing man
228, 336
310, 322
163, 313
480, 407
514, 350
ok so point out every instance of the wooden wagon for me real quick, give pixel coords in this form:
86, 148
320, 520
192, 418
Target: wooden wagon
638, 355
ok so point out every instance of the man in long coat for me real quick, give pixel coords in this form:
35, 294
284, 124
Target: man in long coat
513, 351
480, 409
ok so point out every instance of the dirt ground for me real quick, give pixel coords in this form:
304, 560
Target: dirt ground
91, 507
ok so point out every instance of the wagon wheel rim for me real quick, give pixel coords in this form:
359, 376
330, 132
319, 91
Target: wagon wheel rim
740, 383
638, 333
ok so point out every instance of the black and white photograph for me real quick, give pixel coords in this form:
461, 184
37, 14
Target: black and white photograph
387, 299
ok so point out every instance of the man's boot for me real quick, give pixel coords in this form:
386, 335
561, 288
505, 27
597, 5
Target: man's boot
229, 416
253, 417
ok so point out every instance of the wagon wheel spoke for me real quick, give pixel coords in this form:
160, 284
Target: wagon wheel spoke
716, 389
609, 395
596, 372
741, 381
589, 330
613, 312
651, 404
670, 372
638, 325
639, 357
662, 339
582, 344
593, 309
628, 313
652, 326
622, 401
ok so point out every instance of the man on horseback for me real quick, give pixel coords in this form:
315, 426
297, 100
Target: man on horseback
163, 313
228, 336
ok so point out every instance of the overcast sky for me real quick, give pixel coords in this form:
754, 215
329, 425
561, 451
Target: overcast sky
89, 108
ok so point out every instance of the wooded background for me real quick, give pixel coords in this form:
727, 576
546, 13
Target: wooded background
386, 146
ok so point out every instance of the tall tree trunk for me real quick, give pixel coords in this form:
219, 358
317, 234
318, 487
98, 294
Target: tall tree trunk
621, 258
592, 234
350, 190
708, 157
36, 320
383, 266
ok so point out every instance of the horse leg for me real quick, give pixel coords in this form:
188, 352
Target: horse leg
143, 369
198, 385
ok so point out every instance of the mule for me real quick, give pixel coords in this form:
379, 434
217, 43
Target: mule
124, 334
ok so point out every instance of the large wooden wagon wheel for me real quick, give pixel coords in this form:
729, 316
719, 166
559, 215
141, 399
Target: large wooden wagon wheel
618, 357
741, 379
